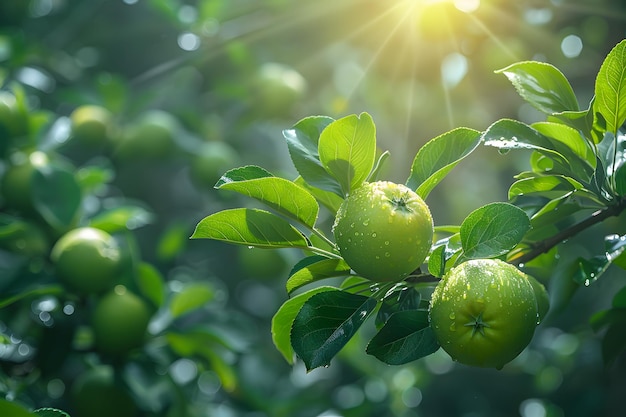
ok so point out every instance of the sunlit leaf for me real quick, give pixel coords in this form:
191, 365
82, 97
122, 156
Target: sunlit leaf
439, 156
610, 88
542, 85
303, 142
283, 321
507, 134
379, 167
250, 227
405, 337
437, 261
280, 194
569, 142
493, 230
325, 323
315, 268
347, 150
553, 186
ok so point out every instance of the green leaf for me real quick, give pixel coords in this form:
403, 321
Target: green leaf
378, 168
614, 341
151, 283
329, 199
610, 89
493, 230
250, 227
14, 410
50, 412
325, 323
542, 85
31, 291
347, 150
619, 299
203, 343
553, 186
56, 195
437, 261
315, 268
439, 156
283, 321
507, 134
589, 270
280, 194
303, 143
121, 218
193, 296
405, 337
402, 299
569, 142
615, 246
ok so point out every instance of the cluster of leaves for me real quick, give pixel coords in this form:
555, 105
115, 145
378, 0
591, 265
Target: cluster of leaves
577, 179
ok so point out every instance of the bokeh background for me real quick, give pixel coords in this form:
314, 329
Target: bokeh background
228, 76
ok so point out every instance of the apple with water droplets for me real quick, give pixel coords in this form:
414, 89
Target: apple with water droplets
384, 231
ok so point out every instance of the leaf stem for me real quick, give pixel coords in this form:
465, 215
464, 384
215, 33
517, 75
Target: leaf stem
323, 252
547, 244
322, 236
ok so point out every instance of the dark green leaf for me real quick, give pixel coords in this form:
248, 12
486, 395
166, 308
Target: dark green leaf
405, 337
610, 89
56, 195
405, 298
250, 227
315, 268
542, 85
280, 194
347, 149
493, 230
303, 142
439, 156
619, 300
614, 341
325, 323
589, 270
283, 321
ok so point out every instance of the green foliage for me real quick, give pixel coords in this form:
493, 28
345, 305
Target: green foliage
573, 175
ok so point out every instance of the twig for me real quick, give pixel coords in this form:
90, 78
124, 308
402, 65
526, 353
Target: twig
565, 234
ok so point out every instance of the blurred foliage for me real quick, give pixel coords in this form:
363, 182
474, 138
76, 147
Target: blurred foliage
203, 78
